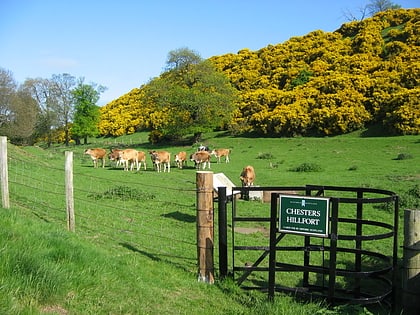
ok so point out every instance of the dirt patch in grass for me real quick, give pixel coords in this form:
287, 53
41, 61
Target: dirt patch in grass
55, 309
249, 230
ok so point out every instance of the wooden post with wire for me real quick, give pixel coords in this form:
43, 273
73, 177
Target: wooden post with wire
205, 227
69, 191
411, 262
4, 177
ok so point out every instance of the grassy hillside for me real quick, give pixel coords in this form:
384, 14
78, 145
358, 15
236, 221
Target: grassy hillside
134, 249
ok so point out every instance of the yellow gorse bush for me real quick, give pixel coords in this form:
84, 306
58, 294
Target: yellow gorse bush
321, 83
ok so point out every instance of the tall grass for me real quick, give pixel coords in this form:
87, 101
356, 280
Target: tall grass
134, 249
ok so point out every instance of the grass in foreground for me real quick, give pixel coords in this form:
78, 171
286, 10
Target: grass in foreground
137, 255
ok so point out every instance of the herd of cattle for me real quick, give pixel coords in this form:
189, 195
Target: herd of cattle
131, 159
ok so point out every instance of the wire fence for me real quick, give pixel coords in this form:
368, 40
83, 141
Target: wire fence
117, 213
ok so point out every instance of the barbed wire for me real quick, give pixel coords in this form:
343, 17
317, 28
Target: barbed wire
39, 188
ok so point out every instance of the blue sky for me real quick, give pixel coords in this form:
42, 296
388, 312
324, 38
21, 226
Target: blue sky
123, 44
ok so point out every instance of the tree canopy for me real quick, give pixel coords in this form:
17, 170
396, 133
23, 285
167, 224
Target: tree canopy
18, 110
58, 109
190, 97
86, 112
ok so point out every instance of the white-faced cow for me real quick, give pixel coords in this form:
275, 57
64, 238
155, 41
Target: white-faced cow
203, 148
247, 176
129, 157
97, 154
160, 158
218, 153
201, 158
181, 159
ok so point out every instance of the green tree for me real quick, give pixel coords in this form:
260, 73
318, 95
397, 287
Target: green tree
24, 115
47, 120
191, 96
86, 112
61, 86
18, 110
7, 91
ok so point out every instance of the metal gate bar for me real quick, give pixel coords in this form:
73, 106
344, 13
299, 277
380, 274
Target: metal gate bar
386, 274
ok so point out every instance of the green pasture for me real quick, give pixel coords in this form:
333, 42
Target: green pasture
134, 247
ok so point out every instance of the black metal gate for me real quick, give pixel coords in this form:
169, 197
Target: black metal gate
355, 263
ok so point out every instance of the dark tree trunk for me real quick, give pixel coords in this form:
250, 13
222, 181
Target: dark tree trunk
197, 137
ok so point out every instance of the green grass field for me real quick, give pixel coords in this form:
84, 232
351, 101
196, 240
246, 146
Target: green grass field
134, 248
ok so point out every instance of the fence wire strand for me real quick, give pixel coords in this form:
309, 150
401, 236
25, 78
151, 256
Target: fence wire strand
39, 188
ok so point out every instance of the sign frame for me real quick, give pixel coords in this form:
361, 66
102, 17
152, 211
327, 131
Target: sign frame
304, 215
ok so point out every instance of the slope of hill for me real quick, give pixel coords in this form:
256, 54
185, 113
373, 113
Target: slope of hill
366, 72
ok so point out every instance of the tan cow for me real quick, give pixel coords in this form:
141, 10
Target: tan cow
97, 154
201, 158
160, 158
181, 159
218, 153
247, 176
141, 157
129, 157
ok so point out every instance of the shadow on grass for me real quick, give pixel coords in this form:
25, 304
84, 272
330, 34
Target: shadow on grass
135, 249
180, 216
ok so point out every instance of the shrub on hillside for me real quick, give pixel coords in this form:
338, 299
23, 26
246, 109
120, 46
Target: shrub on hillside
307, 167
411, 198
265, 156
123, 193
404, 156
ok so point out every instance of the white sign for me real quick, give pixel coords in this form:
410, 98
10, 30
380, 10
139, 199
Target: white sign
220, 180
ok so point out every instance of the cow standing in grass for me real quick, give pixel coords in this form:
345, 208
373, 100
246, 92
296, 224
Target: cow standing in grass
247, 178
97, 154
204, 148
201, 158
218, 153
115, 156
181, 159
141, 157
129, 158
160, 158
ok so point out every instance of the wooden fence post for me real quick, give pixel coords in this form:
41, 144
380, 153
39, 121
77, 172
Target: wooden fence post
205, 229
69, 191
4, 175
411, 263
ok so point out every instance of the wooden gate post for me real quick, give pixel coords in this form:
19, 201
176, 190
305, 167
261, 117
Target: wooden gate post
69, 191
205, 229
4, 177
411, 263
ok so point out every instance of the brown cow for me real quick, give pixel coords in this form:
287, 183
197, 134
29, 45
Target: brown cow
97, 154
218, 153
201, 158
181, 159
159, 158
247, 176
129, 157
115, 156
